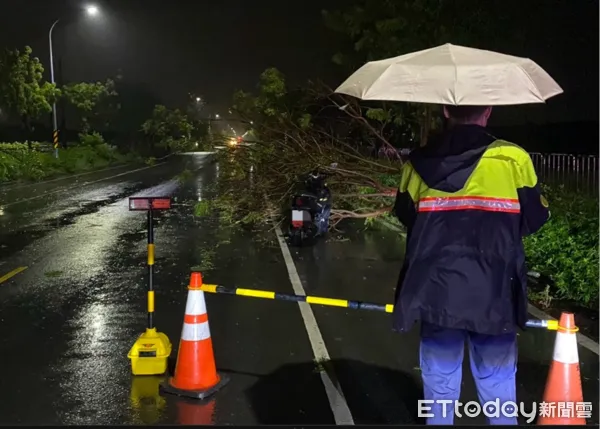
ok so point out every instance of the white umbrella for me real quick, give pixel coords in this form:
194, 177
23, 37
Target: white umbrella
454, 75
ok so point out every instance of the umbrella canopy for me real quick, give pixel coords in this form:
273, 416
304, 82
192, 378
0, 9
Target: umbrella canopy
454, 75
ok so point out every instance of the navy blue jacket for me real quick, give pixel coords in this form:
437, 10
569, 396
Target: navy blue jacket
467, 200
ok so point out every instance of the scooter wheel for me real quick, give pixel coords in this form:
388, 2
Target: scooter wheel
295, 237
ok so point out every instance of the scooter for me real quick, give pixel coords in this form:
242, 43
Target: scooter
311, 209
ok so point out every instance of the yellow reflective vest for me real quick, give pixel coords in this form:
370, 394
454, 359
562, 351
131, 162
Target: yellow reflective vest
467, 201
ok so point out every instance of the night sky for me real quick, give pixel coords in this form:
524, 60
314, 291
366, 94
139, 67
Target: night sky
212, 48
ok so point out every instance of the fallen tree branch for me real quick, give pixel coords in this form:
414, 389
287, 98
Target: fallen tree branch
293, 140
354, 214
391, 194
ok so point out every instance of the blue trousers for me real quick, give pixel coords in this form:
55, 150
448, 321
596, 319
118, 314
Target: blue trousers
493, 364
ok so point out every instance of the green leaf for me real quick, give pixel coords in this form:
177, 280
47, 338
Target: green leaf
378, 115
305, 121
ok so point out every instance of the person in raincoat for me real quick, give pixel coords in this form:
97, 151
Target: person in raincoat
467, 200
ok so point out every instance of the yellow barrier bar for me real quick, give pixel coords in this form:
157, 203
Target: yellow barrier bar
255, 293
150, 301
209, 288
150, 254
327, 301
550, 325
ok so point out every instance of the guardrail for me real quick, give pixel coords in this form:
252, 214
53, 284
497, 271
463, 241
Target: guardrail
577, 172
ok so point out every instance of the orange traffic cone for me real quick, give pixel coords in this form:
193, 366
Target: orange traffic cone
195, 372
563, 395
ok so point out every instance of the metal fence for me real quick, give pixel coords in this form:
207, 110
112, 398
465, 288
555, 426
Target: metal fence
576, 172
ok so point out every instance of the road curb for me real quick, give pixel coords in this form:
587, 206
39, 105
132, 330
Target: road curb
583, 340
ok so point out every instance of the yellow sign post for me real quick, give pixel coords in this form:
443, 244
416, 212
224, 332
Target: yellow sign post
150, 353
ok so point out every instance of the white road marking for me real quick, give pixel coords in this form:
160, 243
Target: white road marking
81, 184
337, 401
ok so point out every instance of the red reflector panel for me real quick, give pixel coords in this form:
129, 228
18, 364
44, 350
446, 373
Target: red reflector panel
161, 204
144, 203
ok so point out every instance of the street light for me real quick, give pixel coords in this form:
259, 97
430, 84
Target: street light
198, 99
217, 116
91, 11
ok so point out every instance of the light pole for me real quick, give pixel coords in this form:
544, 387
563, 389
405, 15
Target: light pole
54, 118
210, 119
91, 11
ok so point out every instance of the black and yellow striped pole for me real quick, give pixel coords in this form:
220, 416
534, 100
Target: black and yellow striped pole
55, 141
152, 349
551, 325
150, 269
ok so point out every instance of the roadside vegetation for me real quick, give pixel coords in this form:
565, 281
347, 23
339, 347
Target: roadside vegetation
566, 249
19, 162
297, 129
95, 109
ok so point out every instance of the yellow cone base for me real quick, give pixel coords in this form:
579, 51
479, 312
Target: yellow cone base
150, 353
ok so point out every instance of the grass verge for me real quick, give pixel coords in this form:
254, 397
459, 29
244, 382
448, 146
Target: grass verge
18, 162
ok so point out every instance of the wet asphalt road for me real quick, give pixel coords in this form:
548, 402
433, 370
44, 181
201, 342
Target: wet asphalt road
69, 319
